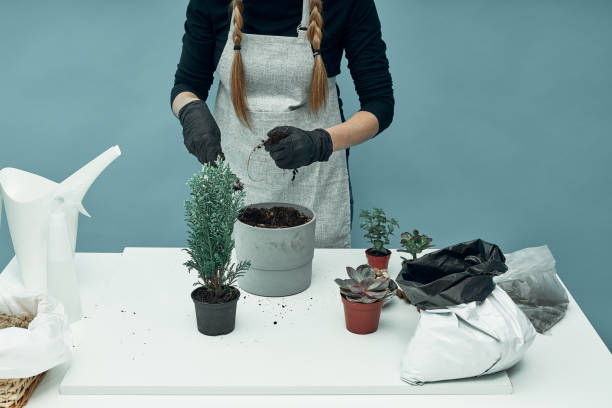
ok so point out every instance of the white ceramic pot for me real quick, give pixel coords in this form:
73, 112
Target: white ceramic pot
281, 258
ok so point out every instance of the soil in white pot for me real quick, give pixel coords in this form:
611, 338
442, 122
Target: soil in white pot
275, 217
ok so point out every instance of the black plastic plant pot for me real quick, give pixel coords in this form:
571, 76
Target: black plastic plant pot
215, 319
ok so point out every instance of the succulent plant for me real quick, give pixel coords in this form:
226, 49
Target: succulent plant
377, 228
414, 243
362, 285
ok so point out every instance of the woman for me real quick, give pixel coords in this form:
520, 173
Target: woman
276, 61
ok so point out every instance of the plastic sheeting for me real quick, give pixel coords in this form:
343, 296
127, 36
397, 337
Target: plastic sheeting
533, 284
44, 344
461, 273
467, 340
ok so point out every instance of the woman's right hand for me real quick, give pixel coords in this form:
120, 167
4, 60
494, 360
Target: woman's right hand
201, 134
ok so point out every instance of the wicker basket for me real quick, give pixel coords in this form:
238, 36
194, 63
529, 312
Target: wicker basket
15, 392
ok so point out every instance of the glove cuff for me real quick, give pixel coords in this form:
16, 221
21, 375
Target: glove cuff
191, 107
323, 146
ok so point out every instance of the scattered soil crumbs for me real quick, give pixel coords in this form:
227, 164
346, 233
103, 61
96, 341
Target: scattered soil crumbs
275, 217
273, 138
201, 294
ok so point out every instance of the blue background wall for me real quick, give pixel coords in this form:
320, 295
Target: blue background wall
502, 130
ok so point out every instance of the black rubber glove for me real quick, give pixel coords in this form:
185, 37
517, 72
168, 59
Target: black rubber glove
298, 147
201, 134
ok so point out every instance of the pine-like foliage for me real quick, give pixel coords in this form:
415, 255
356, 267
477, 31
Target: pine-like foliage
210, 214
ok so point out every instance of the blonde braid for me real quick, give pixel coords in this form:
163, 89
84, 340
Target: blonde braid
318, 84
237, 71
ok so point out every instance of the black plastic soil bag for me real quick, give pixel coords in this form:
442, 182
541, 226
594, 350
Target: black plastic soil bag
461, 273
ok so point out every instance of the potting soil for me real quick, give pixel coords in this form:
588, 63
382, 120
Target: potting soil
275, 217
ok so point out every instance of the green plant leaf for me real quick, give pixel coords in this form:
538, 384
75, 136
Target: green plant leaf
345, 283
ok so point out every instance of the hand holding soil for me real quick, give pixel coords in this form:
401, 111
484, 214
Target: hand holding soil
291, 147
273, 138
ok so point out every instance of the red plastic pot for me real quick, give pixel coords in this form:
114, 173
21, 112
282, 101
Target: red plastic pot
361, 318
378, 261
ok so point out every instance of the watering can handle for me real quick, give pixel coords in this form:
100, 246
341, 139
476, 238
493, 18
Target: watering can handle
66, 199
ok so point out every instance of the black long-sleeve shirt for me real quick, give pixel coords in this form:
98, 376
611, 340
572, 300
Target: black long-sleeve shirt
351, 26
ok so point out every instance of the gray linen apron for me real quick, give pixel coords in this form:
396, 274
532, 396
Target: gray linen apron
278, 72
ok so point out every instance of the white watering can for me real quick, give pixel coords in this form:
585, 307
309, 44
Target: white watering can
43, 219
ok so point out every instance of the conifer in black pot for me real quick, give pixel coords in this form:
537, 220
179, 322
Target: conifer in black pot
216, 197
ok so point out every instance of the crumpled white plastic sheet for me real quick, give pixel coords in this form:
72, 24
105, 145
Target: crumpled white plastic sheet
467, 340
533, 284
47, 341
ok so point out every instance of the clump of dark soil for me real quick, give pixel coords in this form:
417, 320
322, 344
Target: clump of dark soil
275, 217
202, 294
273, 138
238, 186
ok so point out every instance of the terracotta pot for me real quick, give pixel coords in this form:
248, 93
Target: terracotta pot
377, 261
361, 318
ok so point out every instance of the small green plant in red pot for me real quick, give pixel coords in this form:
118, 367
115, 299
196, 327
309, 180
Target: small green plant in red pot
211, 212
362, 295
413, 243
377, 229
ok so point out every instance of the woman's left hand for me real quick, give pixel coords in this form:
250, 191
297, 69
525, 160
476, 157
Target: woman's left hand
300, 147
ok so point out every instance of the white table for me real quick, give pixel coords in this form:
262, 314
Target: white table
140, 338
567, 367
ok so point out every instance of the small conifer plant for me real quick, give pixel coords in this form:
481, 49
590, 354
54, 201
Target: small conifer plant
216, 197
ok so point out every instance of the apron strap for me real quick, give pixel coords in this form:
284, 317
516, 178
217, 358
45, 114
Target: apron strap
301, 29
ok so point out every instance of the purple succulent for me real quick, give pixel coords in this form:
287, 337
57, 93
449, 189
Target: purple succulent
362, 285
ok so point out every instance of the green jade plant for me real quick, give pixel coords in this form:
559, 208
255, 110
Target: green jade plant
414, 243
362, 285
216, 199
377, 229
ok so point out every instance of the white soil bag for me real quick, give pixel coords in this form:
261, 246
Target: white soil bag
467, 340
44, 344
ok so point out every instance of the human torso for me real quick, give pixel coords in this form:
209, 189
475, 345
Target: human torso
278, 71
281, 18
